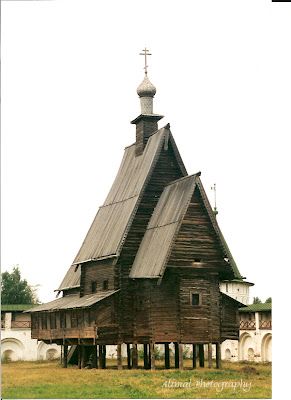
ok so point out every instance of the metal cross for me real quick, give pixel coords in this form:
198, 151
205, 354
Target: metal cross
215, 208
145, 54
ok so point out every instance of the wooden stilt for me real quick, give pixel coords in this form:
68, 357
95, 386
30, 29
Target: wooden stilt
152, 348
134, 356
167, 356
65, 356
145, 356
209, 355
194, 356
79, 356
119, 359
201, 355
84, 356
150, 356
94, 357
97, 356
104, 356
218, 355
176, 355
181, 356
128, 356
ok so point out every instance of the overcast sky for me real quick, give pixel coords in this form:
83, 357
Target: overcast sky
70, 70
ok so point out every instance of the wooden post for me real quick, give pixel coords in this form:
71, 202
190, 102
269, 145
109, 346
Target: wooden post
97, 357
134, 356
209, 355
181, 356
152, 349
84, 356
149, 356
128, 356
167, 356
119, 359
201, 355
194, 356
65, 356
145, 356
176, 355
79, 356
104, 356
218, 355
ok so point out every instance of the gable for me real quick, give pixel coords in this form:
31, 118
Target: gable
182, 231
112, 223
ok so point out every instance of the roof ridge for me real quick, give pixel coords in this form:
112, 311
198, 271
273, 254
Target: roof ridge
197, 174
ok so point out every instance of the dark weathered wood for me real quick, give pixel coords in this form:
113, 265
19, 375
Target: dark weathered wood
181, 366
119, 358
201, 355
134, 356
145, 356
218, 355
153, 360
167, 356
79, 347
209, 355
194, 355
65, 356
176, 355
128, 350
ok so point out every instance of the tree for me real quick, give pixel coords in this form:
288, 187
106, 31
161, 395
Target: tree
257, 300
269, 300
15, 290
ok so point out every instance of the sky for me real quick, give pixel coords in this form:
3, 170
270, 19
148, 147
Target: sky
70, 70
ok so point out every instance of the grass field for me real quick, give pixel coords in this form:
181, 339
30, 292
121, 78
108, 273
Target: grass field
50, 380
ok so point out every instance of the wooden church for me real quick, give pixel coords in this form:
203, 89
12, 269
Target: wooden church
149, 268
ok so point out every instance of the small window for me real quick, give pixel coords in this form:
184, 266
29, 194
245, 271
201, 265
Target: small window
197, 260
105, 284
195, 299
93, 286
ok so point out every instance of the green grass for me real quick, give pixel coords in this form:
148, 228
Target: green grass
50, 380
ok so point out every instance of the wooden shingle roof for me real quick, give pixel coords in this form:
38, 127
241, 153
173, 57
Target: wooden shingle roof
113, 220
156, 246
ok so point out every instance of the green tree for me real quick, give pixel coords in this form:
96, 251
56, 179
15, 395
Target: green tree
269, 300
257, 300
15, 290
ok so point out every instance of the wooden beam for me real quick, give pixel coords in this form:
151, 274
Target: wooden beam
152, 348
79, 356
167, 356
181, 356
218, 355
134, 356
145, 356
194, 356
209, 355
128, 356
65, 356
119, 357
201, 355
176, 355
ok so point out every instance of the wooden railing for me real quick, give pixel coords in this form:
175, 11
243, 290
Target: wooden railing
265, 324
20, 324
247, 324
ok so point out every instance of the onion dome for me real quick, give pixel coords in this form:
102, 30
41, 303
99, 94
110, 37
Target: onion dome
146, 88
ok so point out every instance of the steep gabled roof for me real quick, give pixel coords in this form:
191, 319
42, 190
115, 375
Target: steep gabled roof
164, 225
113, 220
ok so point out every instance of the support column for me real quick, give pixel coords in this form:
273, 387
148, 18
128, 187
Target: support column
167, 356
152, 349
181, 356
209, 355
65, 355
145, 356
104, 356
218, 355
119, 359
79, 356
194, 356
84, 356
94, 357
150, 356
176, 355
97, 357
128, 356
201, 355
134, 356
